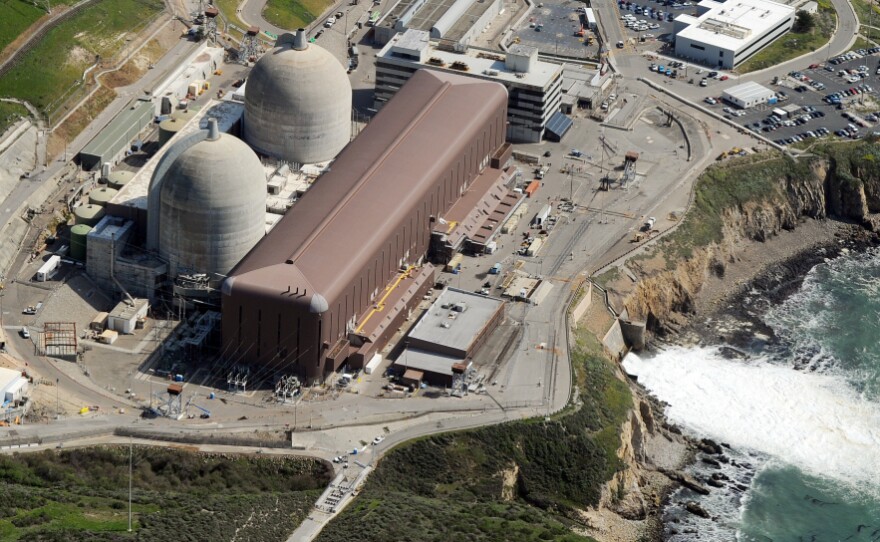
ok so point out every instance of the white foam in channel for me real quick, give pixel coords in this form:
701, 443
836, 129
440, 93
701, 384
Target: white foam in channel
812, 421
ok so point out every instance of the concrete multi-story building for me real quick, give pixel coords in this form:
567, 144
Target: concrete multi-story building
533, 86
726, 34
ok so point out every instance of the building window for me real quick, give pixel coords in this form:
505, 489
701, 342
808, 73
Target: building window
700, 47
720, 54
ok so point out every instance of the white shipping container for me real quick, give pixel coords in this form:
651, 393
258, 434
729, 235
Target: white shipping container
373, 364
48, 269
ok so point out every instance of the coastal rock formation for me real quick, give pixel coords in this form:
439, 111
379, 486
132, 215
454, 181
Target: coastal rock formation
845, 185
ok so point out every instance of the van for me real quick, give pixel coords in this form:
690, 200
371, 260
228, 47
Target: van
353, 51
25, 333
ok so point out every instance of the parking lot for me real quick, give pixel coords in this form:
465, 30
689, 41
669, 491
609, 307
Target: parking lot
651, 20
554, 29
853, 113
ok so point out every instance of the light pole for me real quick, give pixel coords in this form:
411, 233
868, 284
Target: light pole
130, 464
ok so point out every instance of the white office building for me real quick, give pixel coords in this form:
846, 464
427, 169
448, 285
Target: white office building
533, 86
726, 34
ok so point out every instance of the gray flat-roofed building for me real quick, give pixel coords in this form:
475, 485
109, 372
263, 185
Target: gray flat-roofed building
112, 142
449, 333
534, 87
456, 324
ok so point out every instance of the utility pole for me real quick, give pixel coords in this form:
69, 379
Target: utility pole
130, 454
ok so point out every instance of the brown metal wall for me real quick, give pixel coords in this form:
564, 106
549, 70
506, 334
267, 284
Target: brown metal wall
264, 324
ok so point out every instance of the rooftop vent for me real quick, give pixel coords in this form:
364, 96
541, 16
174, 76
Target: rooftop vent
460, 66
436, 61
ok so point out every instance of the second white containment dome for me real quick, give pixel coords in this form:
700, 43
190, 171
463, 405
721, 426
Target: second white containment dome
298, 103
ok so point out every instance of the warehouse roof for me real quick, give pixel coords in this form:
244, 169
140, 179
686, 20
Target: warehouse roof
347, 215
733, 24
455, 318
748, 91
117, 135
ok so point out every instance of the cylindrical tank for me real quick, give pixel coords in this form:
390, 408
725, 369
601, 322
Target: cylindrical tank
183, 114
298, 103
88, 214
78, 236
212, 206
167, 129
118, 179
101, 196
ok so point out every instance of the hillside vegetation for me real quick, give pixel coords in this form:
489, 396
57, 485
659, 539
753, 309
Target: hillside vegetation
520, 481
46, 73
82, 495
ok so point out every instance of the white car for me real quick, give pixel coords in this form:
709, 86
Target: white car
329, 22
378, 440
711, 101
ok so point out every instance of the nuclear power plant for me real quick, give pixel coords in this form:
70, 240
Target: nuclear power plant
312, 247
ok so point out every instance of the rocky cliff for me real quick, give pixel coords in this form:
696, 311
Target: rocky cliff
842, 183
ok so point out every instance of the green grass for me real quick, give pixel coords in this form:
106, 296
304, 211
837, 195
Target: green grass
793, 44
451, 486
293, 14
15, 17
82, 495
9, 113
724, 186
57, 63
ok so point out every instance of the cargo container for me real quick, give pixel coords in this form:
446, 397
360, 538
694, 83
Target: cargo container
48, 269
532, 188
535, 247
373, 364
541, 216
510, 225
454, 264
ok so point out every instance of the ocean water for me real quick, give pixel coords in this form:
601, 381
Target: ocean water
801, 420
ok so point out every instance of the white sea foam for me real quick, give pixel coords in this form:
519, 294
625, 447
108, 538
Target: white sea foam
815, 422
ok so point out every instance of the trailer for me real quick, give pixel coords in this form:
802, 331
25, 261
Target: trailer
532, 188
48, 269
590, 18
374, 364
541, 216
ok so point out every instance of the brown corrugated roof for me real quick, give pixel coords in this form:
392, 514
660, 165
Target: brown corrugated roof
351, 210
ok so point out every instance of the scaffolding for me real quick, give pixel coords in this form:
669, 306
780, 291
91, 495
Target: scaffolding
211, 14
59, 340
249, 47
171, 402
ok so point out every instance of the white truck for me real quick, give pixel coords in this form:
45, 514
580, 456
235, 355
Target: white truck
48, 269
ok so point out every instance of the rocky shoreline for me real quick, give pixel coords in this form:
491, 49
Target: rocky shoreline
729, 311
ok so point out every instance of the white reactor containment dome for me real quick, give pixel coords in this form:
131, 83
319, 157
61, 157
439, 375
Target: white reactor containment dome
298, 103
212, 206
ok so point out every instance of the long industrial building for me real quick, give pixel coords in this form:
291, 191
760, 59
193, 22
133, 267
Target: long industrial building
335, 278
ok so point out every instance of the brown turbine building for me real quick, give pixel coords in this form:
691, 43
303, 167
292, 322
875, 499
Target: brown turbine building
339, 273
